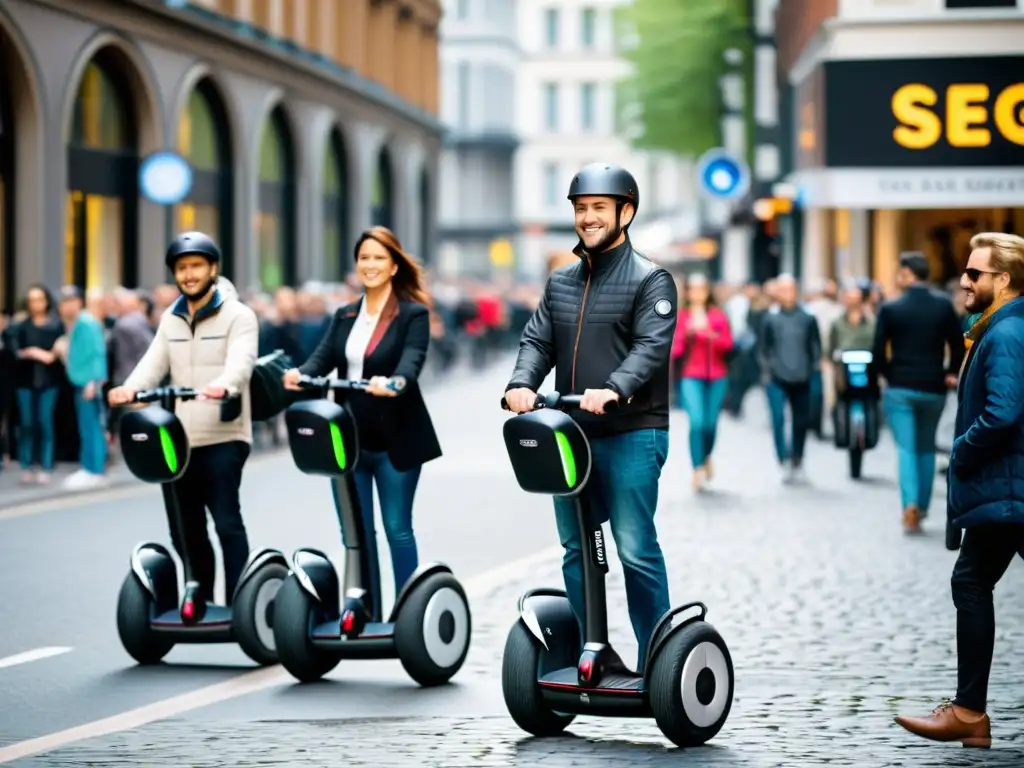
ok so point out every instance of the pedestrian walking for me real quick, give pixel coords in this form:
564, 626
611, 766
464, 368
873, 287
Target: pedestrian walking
924, 335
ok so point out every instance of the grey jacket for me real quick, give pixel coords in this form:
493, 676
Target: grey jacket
129, 340
790, 346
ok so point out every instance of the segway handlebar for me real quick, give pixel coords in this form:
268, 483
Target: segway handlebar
351, 385
173, 393
562, 402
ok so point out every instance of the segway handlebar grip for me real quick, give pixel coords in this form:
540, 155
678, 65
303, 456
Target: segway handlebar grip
351, 385
166, 393
564, 402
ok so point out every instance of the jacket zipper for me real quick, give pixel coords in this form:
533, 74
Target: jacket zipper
579, 331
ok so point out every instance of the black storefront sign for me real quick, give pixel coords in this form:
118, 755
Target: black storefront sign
916, 113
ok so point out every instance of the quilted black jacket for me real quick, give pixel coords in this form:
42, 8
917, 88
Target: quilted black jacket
609, 325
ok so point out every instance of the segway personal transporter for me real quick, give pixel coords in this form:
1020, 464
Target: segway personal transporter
317, 623
546, 677
855, 418
150, 618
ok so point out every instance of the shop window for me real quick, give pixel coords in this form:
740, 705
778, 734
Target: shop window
274, 218
204, 140
383, 194
102, 199
337, 259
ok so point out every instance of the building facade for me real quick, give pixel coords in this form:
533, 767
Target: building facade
905, 130
303, 125
568, 118
480, 60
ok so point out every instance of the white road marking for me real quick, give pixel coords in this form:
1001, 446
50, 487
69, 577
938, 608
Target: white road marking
34, 655
477, 587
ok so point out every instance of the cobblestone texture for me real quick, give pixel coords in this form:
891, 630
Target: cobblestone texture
835, 620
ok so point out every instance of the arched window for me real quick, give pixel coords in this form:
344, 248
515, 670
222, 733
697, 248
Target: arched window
204, 140
383, 185
426, 214
275, 217
102, 229
337, 261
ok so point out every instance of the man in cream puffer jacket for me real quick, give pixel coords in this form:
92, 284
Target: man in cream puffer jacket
206, 340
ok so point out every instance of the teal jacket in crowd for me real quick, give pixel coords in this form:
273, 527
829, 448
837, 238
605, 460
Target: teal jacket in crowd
87, 351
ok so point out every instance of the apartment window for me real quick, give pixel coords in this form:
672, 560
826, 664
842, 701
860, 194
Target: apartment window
551, 20
981, 4
551, 106
551, 190
588, 27
588, 107
464, 95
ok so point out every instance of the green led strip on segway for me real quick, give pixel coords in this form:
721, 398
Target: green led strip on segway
568, 462
170, 455
339, 447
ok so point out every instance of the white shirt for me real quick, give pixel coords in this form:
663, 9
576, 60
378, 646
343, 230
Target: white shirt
359, 338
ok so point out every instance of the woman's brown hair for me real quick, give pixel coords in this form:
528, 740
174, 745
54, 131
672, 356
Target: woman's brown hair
408, 282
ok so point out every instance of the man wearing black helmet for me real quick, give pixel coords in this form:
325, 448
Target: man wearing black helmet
206, 340
605, 324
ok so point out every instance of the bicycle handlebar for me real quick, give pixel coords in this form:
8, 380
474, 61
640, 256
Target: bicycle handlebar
562, 402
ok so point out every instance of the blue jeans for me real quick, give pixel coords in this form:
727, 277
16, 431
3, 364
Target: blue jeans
798, 395
396, 491
623, 489
35, 409
914, 418
91, 434
702, 400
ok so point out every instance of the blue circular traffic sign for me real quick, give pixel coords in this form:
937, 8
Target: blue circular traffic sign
723, 176
165, 178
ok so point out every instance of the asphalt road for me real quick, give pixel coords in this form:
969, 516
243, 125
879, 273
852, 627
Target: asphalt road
835, 620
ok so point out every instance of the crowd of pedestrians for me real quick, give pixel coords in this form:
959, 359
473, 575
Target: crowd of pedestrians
731, 339
61, 351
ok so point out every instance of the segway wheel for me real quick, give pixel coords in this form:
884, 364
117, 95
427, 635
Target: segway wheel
520, 664
252, 617
294, 609
856, 462
691, 685
135, 610
433, 629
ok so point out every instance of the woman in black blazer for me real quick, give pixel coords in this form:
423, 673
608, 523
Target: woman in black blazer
383, 337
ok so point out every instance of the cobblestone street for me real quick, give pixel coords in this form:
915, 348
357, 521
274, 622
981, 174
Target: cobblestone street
836, 621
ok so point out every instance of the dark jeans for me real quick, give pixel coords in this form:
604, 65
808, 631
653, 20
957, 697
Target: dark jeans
92, 436
799, 398
984, 556
36, 437
623, 490
211, 482
396, 491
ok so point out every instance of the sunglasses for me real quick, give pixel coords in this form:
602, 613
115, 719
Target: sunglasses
974, 275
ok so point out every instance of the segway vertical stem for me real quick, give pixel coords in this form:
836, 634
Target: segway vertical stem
595, 566
357, 565
193, 604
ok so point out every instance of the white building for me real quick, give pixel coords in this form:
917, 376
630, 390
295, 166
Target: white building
567, 118
480, 60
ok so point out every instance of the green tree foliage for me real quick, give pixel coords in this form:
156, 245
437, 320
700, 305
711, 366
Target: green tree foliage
678, 57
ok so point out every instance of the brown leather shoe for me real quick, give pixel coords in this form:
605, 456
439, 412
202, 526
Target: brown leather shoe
949, 722
911, 519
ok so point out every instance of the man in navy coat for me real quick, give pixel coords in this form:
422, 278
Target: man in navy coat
986, 478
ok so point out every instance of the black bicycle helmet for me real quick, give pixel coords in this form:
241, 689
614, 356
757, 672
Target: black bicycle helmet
607, 181
192, 243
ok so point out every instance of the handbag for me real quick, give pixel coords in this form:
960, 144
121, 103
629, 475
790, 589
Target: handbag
267, 394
